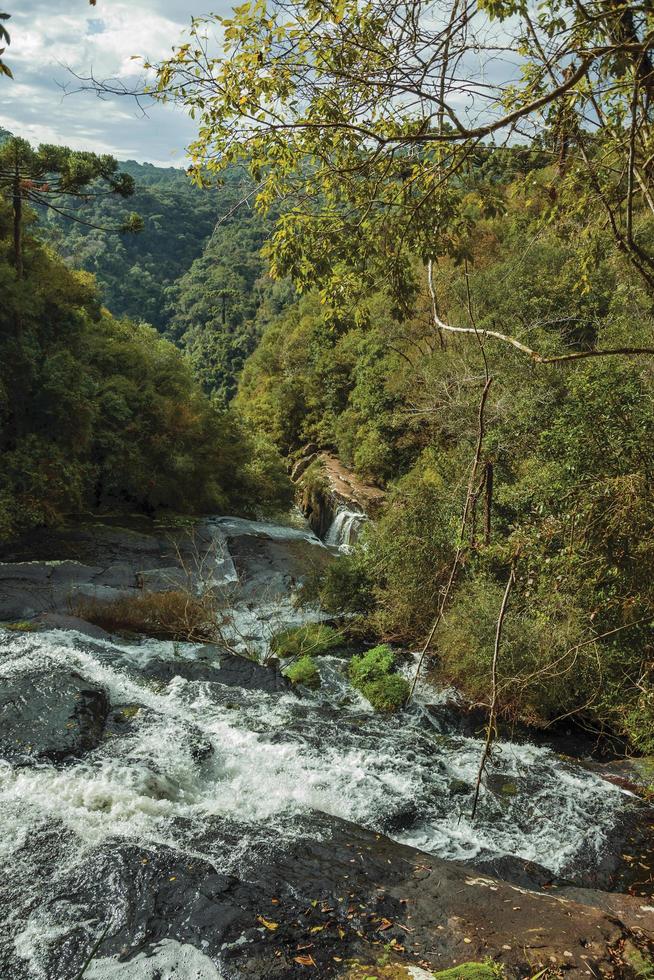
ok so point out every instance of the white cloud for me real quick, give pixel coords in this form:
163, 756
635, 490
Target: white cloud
102, 39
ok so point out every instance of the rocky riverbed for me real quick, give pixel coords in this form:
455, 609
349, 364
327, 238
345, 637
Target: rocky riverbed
172, 811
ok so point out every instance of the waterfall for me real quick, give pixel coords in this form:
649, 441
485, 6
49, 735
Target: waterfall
345, 529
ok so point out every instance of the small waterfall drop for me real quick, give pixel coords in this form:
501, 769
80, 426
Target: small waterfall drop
345, 529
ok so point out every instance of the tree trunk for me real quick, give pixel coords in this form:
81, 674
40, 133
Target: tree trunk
18, 226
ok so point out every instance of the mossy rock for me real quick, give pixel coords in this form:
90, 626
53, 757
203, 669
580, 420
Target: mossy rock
472, 971
304, 672
23, 626
373, 674
398, 971
641, 964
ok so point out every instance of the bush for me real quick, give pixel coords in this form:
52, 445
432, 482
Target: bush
299, 641
174, 615
345, 586
372, 674
304, 672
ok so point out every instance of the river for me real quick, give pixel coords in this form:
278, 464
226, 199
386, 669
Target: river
210, 772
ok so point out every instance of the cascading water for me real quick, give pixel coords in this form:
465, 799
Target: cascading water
345, 529
210, 772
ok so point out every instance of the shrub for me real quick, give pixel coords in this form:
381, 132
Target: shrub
372, 674
345, 586
312, 638
304, 672
175, 615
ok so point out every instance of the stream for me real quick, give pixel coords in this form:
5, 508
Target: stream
226, 772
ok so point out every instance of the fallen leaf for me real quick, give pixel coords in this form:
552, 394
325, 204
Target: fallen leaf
267, 923
304, 960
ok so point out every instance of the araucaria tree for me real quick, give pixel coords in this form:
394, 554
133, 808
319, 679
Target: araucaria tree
58, 179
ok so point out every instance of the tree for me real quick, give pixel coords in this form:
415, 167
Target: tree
57, 178
365, 118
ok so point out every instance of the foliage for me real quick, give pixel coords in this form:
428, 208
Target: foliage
304, 672
311, 638
372, 674
355, 117
194, 272
570, 449
4, 39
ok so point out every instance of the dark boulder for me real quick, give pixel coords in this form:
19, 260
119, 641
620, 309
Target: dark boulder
224, 668
54, 716
60, 621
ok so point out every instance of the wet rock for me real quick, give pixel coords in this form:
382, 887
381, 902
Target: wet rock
59, 621
335, 890
145, 896
52, 716
223, 668
518, 871
49, 568
338, 488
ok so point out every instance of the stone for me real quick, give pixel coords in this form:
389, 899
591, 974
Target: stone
50, 716
222, 668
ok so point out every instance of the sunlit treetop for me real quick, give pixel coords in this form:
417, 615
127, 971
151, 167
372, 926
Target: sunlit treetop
368, 121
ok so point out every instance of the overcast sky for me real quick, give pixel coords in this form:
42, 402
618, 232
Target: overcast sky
102, 38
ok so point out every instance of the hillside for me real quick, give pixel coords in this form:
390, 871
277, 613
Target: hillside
194, 272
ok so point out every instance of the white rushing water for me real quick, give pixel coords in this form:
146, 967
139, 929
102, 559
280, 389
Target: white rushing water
275, 758
345, 529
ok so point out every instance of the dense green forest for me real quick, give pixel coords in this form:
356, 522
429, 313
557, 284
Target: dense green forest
102, 413
475, 330
194, 270
455, 303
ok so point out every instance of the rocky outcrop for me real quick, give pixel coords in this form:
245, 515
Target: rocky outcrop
55, 716
326, 487
50, 569
336, 893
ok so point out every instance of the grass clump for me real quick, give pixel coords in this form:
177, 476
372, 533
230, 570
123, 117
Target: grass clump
174, 615
373, 673
304, 672
23, 626
311, 639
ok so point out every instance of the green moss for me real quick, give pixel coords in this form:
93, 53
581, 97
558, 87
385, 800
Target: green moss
472, 971
305, 672
311, 639
24, 626
642, 965
128, 712
372, 674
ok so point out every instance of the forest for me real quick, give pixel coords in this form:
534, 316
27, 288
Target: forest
403, 284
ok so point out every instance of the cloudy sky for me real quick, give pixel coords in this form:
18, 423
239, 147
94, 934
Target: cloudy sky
46, 37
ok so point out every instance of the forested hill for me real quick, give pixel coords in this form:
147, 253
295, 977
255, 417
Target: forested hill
194, 272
